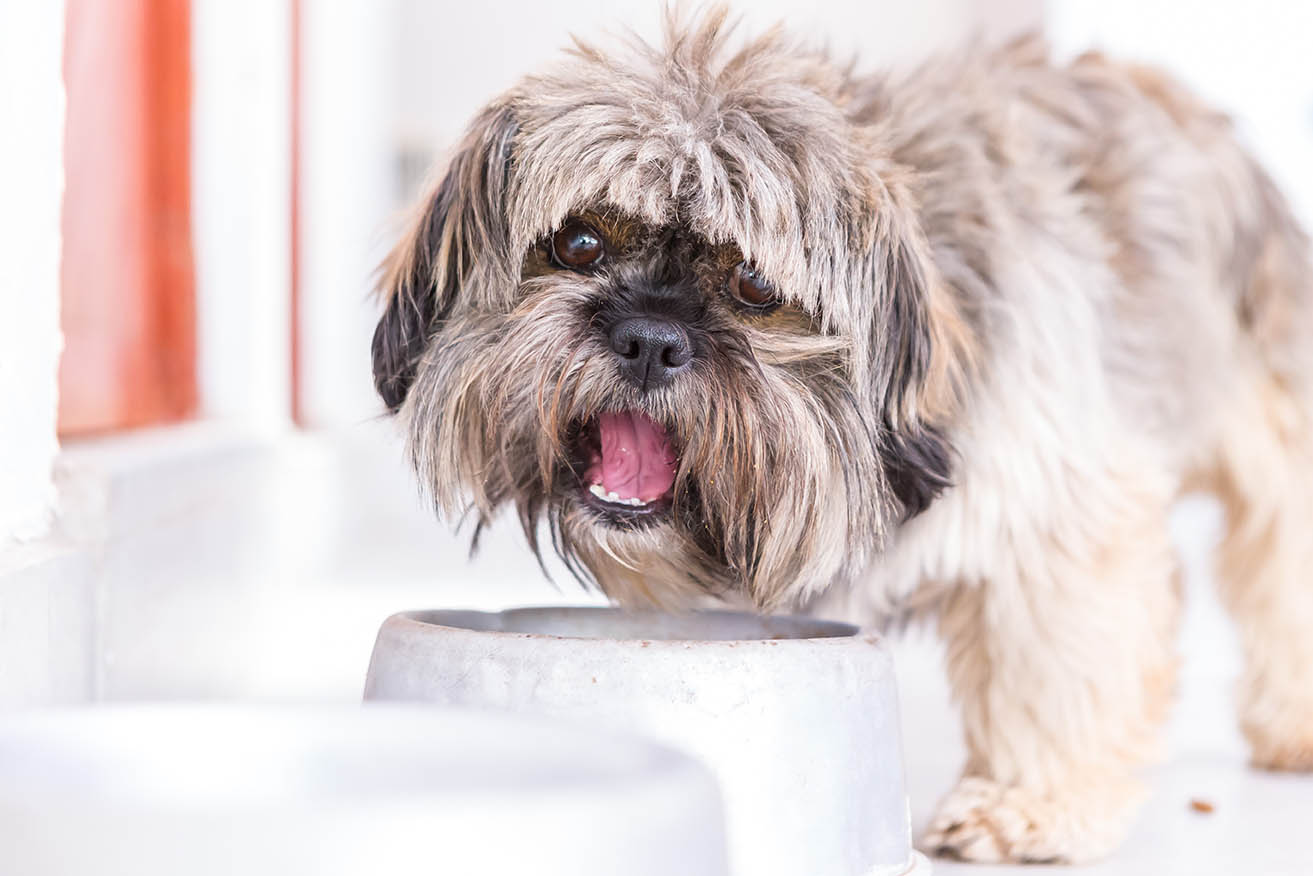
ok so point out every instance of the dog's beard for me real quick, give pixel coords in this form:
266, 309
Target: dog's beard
777, 488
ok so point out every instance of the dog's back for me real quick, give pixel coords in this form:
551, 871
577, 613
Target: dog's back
1210, 279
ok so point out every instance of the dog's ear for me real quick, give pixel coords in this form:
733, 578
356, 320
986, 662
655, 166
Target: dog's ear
461, 221
920, 349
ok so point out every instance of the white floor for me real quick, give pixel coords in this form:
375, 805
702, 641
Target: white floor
1261, 822
233, 573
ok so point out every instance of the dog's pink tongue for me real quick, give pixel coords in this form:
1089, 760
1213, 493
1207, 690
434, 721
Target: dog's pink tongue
637, 461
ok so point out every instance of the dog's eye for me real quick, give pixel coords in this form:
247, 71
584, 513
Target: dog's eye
577, 246
751, 289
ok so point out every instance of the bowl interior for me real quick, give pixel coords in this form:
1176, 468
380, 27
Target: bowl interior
590, 622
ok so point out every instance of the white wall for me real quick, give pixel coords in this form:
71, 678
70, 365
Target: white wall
347, 161
241, 207
455, 56
31, 186
1251, 58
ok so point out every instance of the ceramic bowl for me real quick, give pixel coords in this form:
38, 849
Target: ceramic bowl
205, 790
797, 718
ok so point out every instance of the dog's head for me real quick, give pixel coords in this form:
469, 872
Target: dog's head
677, 303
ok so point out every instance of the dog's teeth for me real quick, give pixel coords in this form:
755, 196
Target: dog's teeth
615, 498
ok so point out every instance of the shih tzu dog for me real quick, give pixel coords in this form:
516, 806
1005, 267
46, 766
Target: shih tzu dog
726, 319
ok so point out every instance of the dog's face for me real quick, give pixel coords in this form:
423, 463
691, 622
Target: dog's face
679, 306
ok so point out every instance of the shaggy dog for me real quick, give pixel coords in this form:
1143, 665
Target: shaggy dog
727, 320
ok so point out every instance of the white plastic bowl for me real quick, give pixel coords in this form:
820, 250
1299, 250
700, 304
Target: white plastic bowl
796, 717
155, 790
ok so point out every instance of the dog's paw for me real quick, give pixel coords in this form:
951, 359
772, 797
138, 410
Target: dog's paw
982, 820
1283, 742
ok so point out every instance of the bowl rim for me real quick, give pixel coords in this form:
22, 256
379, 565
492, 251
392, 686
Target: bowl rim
846, 634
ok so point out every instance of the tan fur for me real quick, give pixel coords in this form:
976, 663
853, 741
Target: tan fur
1062, 688
1266, 482
1024, 305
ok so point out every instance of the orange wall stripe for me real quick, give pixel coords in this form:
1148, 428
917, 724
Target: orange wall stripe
128, 290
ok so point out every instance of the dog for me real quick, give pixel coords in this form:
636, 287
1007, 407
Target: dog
725, 320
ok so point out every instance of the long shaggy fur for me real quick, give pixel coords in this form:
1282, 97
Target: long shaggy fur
1025, 306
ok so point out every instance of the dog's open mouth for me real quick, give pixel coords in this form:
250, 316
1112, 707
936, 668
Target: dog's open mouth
629, 465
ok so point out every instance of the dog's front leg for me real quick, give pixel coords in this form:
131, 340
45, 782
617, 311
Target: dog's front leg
1063, 662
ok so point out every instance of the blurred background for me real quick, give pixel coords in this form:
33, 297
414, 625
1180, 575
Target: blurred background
199, 497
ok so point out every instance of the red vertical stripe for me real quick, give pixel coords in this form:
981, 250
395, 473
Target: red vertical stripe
128, 295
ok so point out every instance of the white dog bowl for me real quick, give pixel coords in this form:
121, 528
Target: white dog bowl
797, 718
203, 790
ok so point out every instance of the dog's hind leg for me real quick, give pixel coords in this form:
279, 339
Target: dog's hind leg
1266, 570
1063, 662
1266, 480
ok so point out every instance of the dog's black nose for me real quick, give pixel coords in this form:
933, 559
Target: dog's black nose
651, 350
